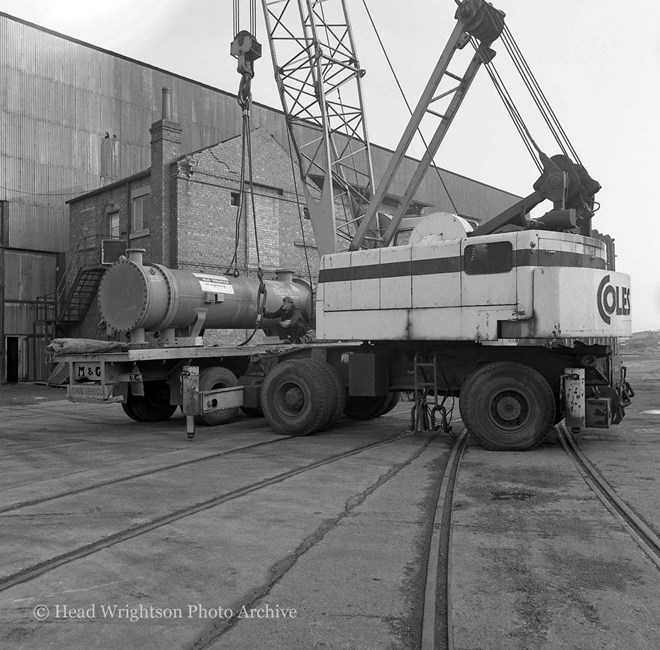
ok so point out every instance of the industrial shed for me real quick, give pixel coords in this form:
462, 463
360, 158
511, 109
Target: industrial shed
75, 118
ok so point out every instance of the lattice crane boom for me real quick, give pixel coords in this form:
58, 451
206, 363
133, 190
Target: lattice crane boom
319, 80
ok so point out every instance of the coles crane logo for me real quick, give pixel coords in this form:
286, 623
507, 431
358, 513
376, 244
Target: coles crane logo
612, 300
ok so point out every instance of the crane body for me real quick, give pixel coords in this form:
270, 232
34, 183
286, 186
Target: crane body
518, 318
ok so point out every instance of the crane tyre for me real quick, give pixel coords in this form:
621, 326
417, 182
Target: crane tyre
391, 403
153, 406
367, 408
337, 392
297, 397
210, 379
507, 406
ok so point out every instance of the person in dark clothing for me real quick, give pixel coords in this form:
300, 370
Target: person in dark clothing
291, 326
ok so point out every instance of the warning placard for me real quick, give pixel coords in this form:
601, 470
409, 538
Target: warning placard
214, 283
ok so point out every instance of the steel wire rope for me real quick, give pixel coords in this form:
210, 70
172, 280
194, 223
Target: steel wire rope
233, 264
510, 106
516, 53
529, 83
244, 99
262, 291
396, 79
302, 228
534, 88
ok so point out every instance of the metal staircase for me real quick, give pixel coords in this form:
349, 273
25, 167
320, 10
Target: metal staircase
80, 296
69, 303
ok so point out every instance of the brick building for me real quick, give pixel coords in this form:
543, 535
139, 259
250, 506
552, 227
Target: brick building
74, 119
183, 213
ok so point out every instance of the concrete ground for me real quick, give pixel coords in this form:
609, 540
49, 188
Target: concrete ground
24, 394
158, 537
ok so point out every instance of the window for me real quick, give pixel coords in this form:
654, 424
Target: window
496, 257
402, 237
140, 209
113, 224
235, 198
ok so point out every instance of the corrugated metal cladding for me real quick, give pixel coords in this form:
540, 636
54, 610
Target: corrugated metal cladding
63, 98
74, 118
28, 275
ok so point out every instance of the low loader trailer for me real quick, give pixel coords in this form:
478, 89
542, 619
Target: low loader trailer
520, 326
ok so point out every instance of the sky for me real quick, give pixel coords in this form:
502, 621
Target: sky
597, 61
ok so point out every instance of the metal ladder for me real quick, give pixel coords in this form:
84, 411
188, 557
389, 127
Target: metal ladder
423, 419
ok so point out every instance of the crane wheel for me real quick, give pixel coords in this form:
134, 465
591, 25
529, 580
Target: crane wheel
297, 397
210, 379
337, 391
153, 406
507, 406
368, 408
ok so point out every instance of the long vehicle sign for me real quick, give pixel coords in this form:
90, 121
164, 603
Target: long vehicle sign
91, 393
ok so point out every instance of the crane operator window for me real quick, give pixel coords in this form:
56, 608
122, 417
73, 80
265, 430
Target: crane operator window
481, 259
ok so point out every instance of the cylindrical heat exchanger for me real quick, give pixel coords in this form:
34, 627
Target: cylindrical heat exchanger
134, 295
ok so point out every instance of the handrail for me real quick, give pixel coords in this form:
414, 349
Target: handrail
69, 271
56, 297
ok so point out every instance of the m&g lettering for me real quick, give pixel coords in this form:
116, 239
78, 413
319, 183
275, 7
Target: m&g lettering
612, 300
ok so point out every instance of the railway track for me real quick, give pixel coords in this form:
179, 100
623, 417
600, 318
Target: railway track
129, 477
436, 631
84, 550
643, 535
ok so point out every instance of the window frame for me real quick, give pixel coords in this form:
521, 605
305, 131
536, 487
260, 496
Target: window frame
139, 197
490, 261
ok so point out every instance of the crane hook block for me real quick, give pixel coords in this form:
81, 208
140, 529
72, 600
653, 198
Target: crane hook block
247, 49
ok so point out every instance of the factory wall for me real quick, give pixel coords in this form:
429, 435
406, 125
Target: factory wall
204, 190
74, 118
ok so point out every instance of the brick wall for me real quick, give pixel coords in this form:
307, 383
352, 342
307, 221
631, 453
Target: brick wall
200, 223
206, 217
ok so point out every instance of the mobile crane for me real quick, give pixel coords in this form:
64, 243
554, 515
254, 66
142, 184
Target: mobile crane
518, 318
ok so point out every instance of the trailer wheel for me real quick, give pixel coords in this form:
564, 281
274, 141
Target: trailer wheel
297, 397
253, 412
153, 406
210, 379
507, 406
390, 403
368, 408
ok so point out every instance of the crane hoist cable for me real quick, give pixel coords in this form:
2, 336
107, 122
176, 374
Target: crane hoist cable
538, 96
246, 49
405, 99
302, 227
510, 106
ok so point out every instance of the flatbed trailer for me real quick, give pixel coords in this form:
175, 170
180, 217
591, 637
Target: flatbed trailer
511, 395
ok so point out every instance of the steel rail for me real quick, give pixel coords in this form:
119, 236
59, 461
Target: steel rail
129, 477
38, 569
438, 633
646, 538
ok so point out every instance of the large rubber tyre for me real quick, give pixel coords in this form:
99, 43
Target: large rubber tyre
210, 379
368, 408
297, 397
507, 406
252, 412
337, 392
391, 403
153, 406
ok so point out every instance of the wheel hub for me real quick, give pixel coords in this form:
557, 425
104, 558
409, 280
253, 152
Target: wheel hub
509, 408
293, 398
